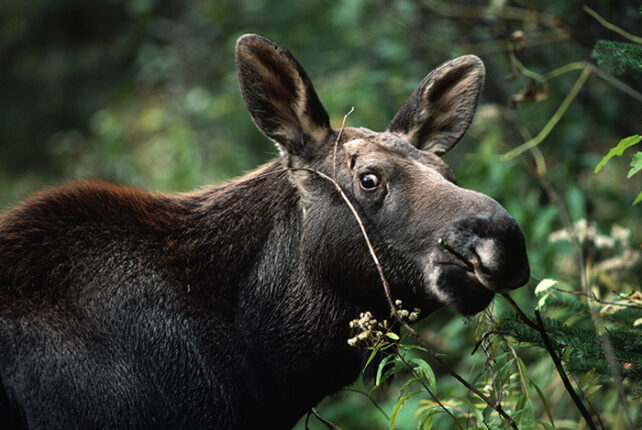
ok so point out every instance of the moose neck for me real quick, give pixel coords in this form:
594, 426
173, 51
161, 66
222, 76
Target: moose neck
293, 320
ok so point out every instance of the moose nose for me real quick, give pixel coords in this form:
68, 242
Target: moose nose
495, 249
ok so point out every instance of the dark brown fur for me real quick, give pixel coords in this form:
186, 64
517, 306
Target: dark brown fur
229, 307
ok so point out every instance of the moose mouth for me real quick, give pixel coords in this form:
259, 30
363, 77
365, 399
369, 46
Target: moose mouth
462, 282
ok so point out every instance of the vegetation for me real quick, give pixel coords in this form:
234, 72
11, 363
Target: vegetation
144, 92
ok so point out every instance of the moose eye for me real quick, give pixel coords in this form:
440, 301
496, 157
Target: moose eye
369, 182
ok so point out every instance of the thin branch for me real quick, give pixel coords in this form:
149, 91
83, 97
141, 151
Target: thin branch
591, 296
615, 82
307, 419
612, 27
539, 327
586, 68
336, 143
329, 424
372, 400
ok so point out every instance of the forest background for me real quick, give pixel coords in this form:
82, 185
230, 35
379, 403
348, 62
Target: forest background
144, 92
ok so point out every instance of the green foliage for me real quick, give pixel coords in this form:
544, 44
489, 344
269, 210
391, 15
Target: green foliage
584, 346
620, 56
618, 150
636, 162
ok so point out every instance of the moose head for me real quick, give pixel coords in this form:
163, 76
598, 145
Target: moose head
444, 245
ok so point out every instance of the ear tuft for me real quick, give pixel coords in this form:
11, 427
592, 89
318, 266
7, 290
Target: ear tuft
279, 95
438, 112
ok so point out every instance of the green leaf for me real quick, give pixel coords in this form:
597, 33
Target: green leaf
527, 417
592, 390
426, 370
638, 199
426, 420
373, 354
543, 400
546, 425
625, 143
587, 379
382, 365
479, 416
542, 301
392, 335
544, 285
405, 386
400, 402
636, 164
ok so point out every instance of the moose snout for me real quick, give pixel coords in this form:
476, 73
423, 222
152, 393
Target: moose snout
493, 248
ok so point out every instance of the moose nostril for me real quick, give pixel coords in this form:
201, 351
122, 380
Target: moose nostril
498, 250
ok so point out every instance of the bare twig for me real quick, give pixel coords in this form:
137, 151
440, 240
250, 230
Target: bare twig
591, 296
587, 69
336, 144
456, 253
307, 419
329, 424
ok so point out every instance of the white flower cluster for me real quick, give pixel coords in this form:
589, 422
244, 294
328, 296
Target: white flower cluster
404, 313
369, 326
587, 233
618, 240
372, 330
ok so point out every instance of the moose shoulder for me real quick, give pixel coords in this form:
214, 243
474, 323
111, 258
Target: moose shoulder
229, 307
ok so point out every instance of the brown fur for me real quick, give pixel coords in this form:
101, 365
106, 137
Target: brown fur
229, 307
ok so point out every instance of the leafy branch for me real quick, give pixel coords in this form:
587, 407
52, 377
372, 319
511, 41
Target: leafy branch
539, 326
618, 150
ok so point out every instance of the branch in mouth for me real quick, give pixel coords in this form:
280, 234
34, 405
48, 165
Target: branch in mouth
473, 264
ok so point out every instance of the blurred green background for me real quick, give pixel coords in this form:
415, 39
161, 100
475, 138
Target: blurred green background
144, 92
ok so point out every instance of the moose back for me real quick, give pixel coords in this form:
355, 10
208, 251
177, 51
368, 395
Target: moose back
229, 307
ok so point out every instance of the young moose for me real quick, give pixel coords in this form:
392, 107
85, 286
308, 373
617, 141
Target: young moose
228, 308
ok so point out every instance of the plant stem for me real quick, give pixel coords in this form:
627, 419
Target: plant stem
373, 401
554, 119
329, 424
336, 144
612, 27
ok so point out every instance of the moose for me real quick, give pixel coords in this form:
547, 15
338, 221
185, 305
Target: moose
229, 307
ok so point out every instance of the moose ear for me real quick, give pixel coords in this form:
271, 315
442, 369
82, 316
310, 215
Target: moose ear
438, 112
279, 95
